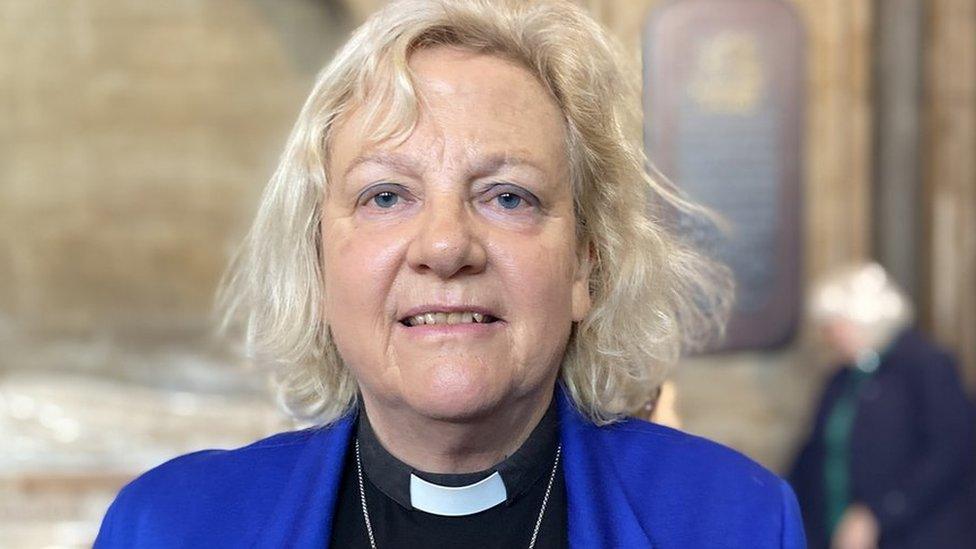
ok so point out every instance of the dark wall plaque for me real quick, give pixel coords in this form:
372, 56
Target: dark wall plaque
723, 121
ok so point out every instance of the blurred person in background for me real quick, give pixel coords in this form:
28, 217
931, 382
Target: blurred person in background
889, 460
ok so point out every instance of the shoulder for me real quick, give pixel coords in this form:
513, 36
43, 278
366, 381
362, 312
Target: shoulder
217, 469
691, 479
912, 350
199, 491
692, 461
915, 362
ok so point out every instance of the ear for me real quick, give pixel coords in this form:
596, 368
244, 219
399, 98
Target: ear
581, 302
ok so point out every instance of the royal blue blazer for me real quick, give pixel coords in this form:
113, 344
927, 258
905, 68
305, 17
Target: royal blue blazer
631, 484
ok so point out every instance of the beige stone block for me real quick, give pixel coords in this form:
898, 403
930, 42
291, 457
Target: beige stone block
135, 140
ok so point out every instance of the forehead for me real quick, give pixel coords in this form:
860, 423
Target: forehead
471, 105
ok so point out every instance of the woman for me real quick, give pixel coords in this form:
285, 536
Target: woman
889, 460
454, 274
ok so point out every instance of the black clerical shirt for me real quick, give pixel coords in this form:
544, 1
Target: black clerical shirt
507, 525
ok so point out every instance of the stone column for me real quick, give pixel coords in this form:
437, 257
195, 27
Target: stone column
897, 107
949, 300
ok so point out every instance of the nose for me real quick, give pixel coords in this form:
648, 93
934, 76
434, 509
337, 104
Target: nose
447, 243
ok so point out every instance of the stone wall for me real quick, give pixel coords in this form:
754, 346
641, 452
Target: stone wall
135, 137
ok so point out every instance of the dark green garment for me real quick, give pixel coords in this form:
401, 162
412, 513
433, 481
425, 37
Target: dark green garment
837, 439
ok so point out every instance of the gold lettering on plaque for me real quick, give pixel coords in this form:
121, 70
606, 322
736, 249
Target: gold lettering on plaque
728, 75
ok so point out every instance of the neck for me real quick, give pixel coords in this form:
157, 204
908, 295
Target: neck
461, 446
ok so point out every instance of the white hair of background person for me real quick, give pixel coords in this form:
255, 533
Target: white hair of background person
652, 295
865, 295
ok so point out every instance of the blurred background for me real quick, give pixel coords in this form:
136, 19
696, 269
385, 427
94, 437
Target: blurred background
136, 136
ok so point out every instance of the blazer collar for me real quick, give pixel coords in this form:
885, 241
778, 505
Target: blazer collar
599, 511
302, 517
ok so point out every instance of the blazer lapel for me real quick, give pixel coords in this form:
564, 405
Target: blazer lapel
599, 512
302, 518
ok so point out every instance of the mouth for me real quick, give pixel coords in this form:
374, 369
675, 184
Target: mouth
447, 318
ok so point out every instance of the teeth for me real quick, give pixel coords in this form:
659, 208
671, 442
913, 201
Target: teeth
446, 318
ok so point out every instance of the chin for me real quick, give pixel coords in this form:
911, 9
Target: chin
457, 393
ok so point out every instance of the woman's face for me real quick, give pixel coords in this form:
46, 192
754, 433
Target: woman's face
469, 219
844, 337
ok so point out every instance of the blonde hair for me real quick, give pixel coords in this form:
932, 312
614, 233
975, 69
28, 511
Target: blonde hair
651, 294
866, 295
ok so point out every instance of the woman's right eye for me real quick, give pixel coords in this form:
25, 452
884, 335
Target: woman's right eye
385, 196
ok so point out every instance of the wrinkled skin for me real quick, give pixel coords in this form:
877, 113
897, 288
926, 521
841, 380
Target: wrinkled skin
473, 210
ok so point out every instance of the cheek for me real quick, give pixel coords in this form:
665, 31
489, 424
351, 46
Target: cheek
538, 281
358, 272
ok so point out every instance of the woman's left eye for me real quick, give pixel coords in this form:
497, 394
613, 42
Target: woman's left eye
509, 201
386, 199
511, 198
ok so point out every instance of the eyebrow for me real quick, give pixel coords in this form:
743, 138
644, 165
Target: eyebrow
481, 167
399, 162
494, 163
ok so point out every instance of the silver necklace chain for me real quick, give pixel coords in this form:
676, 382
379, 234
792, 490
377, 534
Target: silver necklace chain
538, 521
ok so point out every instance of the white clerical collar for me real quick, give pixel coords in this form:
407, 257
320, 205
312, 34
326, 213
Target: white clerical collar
457, 501
456, 495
